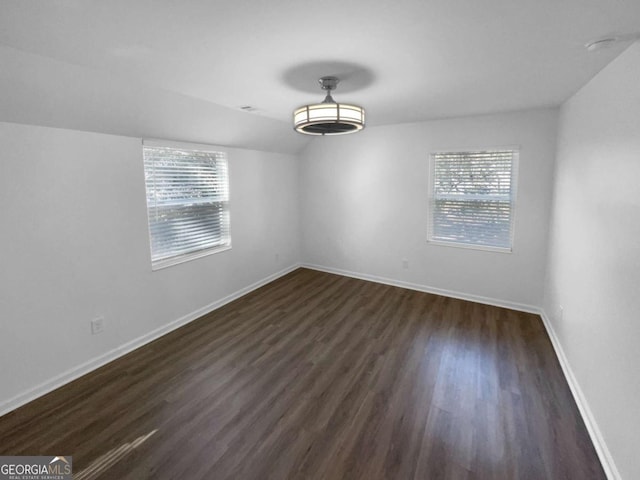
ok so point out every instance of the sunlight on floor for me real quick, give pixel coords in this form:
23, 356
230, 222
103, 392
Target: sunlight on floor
106, 461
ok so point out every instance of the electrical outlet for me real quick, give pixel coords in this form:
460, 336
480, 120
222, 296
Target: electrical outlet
277, 257
97, 325
405, 263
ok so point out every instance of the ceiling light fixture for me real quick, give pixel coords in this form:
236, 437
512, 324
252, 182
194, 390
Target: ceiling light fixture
328, 117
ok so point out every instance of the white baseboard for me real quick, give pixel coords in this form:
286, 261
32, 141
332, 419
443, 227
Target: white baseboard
76, 372
427, 289
597, 439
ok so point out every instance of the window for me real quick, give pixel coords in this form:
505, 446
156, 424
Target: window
471, 198
187, 203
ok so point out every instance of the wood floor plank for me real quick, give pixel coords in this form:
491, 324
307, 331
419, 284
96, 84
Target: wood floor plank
318, 376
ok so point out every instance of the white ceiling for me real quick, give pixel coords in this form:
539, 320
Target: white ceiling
179, 69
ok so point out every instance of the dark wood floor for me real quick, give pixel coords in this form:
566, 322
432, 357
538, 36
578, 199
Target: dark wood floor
317, 376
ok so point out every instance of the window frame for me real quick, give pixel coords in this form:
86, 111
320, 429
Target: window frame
515, 161
186, 257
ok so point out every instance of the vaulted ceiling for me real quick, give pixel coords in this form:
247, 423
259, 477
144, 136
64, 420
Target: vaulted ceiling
183, 70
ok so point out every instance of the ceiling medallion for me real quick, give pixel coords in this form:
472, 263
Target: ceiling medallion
328, 117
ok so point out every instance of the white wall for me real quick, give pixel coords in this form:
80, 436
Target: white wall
74, 245
594, 259
364, 206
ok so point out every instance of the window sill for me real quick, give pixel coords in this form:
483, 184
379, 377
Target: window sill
471, 246
169, 262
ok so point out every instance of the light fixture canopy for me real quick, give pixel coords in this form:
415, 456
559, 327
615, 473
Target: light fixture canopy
328, 117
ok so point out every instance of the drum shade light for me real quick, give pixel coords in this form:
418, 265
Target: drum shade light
328, 117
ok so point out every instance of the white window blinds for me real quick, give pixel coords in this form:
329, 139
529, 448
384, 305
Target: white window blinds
472, 198
187, 203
